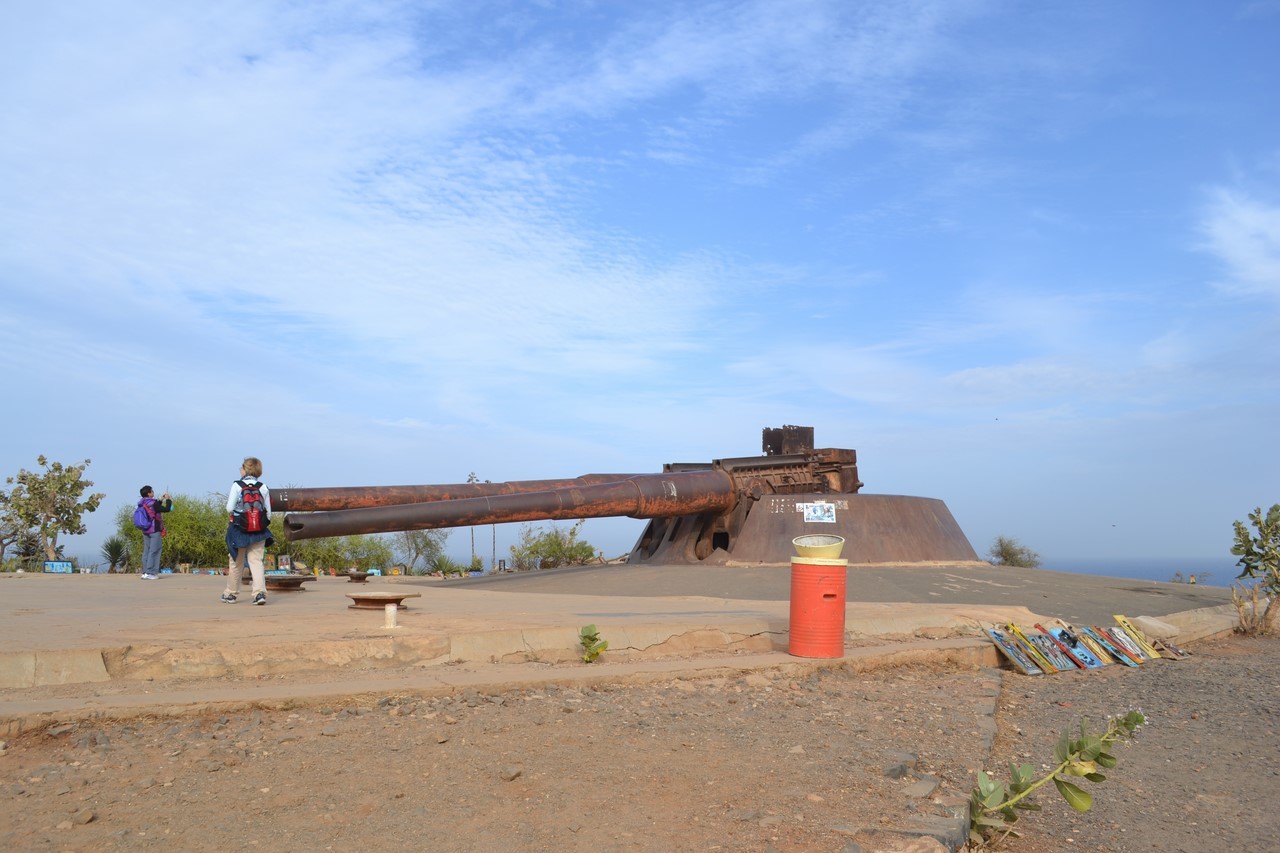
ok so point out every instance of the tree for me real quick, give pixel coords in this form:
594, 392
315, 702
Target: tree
364, 552
50, 503
195, 532
1259, 558
418, 549
1006, 551
11, 528
367, 551
115, 550
550, 548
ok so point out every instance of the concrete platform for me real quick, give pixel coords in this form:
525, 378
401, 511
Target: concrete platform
105, 644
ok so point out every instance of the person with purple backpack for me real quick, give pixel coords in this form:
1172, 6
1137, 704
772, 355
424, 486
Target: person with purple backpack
148, 518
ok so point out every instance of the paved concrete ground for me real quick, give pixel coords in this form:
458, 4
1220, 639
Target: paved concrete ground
94, 642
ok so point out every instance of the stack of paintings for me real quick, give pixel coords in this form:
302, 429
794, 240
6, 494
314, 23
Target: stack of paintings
1066, 647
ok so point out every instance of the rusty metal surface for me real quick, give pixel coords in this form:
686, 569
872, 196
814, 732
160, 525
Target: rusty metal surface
644, 496
732, 510
354, 497
786, 439
876, 529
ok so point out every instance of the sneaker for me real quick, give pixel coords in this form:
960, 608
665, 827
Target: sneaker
260, 598
228, 598
147, 577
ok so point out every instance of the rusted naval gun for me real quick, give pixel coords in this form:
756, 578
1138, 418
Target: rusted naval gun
738, 510
711, 501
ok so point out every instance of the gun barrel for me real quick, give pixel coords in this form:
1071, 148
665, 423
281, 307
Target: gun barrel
285, 500
640, 496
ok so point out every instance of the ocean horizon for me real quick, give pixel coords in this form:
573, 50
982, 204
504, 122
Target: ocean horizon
1215, 571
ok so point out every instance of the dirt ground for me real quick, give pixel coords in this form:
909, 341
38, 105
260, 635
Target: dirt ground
1202, 776
832, 761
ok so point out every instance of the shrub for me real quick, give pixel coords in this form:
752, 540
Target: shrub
446, 565
549, 548
1006, 551
1259, 561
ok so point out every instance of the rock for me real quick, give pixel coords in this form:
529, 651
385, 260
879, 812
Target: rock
897, 771
923, 788
510, 773
83, 816
904, 765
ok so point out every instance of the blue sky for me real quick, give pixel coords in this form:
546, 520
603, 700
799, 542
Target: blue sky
1024, 257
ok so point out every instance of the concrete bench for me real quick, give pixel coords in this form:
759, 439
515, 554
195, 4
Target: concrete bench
377, 600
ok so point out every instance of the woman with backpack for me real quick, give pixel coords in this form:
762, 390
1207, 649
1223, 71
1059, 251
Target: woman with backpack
147, 518
248, 532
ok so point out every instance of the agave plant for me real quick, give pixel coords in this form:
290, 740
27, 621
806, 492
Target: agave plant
115, 550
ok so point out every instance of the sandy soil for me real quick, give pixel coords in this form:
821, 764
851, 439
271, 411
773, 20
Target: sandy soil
1202, 776
835, 761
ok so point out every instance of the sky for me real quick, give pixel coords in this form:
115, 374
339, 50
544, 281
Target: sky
1023, 257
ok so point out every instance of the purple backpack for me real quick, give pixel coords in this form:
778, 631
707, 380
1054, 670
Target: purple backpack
143, 519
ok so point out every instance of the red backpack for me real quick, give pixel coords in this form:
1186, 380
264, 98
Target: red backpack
254, 518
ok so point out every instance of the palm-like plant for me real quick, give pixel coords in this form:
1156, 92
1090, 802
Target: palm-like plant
115, 550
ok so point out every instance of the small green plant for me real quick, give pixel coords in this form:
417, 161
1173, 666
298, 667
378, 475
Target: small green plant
115, 550
1260, 560
446, 565
994, 805
1006, 551
592, 645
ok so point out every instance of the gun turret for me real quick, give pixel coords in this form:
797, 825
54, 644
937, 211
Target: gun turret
746, 509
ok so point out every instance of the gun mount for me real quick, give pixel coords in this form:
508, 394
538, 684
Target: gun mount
741, 509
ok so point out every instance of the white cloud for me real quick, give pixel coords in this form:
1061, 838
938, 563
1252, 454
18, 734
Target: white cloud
1244, 233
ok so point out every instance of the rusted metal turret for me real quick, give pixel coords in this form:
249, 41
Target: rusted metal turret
698, 511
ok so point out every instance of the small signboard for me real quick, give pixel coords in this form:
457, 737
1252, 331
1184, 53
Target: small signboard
61, 567
823, 512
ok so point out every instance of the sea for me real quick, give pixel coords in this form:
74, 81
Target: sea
1215, 571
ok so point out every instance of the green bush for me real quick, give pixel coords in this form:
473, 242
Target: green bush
115, 550
446, 565
550, 548
1259, 561
1006, 551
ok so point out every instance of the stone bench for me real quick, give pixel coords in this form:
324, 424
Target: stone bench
377, 600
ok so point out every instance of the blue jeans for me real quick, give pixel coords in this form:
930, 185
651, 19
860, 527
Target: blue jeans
151, 543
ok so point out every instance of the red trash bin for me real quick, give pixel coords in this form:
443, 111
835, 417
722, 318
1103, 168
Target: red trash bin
817, 607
